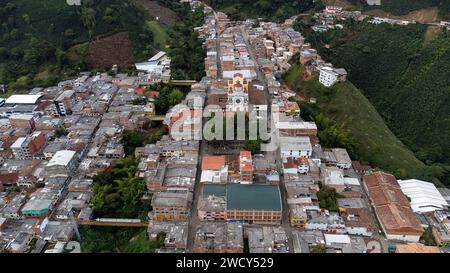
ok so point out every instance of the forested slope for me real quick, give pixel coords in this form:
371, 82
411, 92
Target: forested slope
406, 78
42, 41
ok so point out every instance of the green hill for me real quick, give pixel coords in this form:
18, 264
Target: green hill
405, 73
48, 37
371, 141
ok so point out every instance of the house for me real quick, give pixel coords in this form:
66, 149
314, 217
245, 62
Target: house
296, 165
441, 227
62, 163
295, 147
258, 99
266, 239
341, 243
171, 205
176, 233
214, 237
307, 55
343, 160
214, 169
245, 167
416, 248
296, 128
392, 208
333, 9
12, 210
243, 203
64, 102
333, 177
326, 221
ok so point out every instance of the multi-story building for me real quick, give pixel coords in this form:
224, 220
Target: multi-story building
219, 238
246, 167
251, 203
254, 203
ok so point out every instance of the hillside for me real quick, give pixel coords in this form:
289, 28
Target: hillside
371, 140
44, 41
275, 10
403, 7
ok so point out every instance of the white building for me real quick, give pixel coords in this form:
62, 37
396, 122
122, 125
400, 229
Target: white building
424, 196
331, 239
295, 147
62, 163
329, 76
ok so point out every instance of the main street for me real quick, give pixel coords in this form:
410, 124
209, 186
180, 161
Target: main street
272, 156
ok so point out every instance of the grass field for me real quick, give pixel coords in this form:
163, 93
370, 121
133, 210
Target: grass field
375, 143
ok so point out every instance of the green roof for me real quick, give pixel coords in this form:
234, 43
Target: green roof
252, 196
217, 190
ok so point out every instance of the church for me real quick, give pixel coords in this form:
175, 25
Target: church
237, 90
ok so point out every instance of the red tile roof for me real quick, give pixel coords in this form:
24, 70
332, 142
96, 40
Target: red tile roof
213, 162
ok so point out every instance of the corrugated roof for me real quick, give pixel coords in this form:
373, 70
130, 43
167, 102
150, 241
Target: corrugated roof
249, 197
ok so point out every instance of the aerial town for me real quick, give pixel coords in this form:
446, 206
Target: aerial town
207, 196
